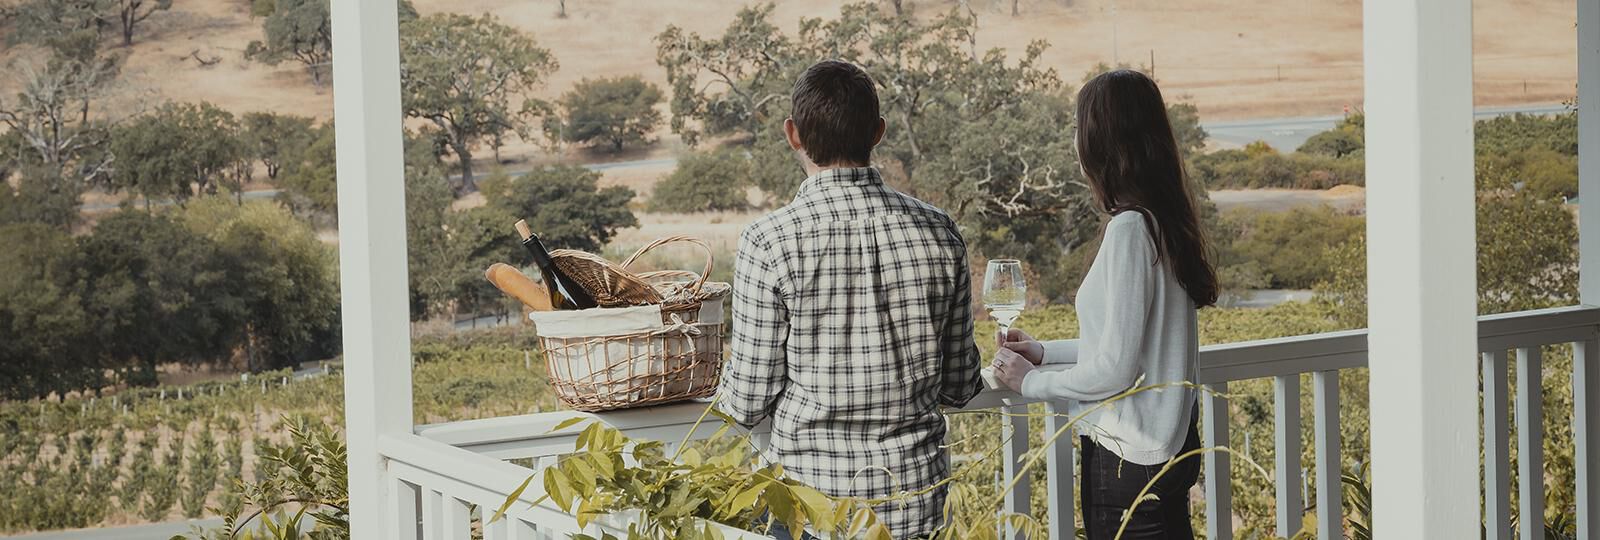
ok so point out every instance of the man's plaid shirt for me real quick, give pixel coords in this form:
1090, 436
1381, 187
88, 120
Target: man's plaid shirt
852, 325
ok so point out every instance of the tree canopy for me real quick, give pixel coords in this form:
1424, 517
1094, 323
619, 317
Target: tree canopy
465, 76
977, 132
609, 111
301, 31
177, 151
564, 205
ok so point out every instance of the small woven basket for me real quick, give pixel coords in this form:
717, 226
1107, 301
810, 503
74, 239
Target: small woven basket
613, 285
681, 359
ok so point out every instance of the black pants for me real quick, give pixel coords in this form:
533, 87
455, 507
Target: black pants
1110, 484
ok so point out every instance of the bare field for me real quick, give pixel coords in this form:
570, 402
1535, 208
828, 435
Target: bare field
1234, 59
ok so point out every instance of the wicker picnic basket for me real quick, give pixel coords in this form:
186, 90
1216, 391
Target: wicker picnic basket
657, 337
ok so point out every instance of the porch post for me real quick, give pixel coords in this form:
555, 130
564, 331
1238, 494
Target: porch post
372, 248
1585, 380
1589, 150
1421, 268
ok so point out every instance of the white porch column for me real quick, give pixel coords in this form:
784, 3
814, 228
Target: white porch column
1421, 268
1589, 150
1585, 379
372, 248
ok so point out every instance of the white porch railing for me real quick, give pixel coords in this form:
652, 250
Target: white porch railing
442, 472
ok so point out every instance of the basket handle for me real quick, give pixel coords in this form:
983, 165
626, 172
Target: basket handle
675, 239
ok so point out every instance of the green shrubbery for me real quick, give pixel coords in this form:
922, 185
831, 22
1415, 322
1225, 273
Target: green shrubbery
145, 289
1289, 249
1264, 167
706, 181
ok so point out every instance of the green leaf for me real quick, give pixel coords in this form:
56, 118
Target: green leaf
747, 498
554, 487
818, 507
691, 457
879, 531
566, 424
511, 499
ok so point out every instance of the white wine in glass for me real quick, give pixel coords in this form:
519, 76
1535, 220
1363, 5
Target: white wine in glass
1005, 292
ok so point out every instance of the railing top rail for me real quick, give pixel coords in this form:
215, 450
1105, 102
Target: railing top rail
530, 434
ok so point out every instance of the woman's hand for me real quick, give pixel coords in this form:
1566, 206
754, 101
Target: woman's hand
1023, 344
1011, 368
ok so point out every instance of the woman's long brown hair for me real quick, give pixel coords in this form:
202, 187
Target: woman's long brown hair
1127, 150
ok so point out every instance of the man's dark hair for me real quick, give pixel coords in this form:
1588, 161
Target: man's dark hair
835, 109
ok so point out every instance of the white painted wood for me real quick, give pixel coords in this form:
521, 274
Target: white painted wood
432, 514
1061, 472
372, 248
1586, 433
1421, 267
1218, 479
1586, 353
1286, 453
404, 500
496, 530
1589, 150
1015, 433
1330, 489
522, 530
529, 435
1530, 440
1496, 449
458, 519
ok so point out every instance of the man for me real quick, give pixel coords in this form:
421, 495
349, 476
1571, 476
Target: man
852, 320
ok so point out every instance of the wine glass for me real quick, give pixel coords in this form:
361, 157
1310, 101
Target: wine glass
1005, 292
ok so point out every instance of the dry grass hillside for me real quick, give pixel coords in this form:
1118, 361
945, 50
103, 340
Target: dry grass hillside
1234, 58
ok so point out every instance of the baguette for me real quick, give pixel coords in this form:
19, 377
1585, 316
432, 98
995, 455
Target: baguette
516, 285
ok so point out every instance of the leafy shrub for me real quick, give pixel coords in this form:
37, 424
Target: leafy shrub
703, 182
1289, 247
307, 473
1540, 170
564, 205
1507, 134
1261, 167
1346, 138
202, 473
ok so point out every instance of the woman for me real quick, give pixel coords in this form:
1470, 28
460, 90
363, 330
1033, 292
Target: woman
1136, 313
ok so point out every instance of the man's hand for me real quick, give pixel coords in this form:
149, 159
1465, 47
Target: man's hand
1024, 345
1011, 368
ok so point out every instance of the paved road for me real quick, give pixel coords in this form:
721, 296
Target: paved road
157, 531
1287, 134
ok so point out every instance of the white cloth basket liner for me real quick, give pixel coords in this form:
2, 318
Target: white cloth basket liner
604, 322
609, 365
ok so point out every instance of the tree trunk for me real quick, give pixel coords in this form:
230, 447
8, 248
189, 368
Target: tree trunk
127, 27
1014, 11
563, 13
467, 184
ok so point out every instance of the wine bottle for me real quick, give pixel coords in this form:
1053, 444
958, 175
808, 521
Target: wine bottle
565, 292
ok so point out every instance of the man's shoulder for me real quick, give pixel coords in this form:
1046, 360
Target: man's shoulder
930, 214
770, 226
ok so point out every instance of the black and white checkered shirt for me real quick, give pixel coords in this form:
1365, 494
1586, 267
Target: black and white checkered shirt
852, 325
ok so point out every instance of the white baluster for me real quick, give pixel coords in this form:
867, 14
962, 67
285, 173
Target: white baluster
1016, 432
1059, 474
1286, 435
432, 515
1496, 448
404, 498
1530, 440
1219, 489
457, 519
1330, 502
1586, 433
